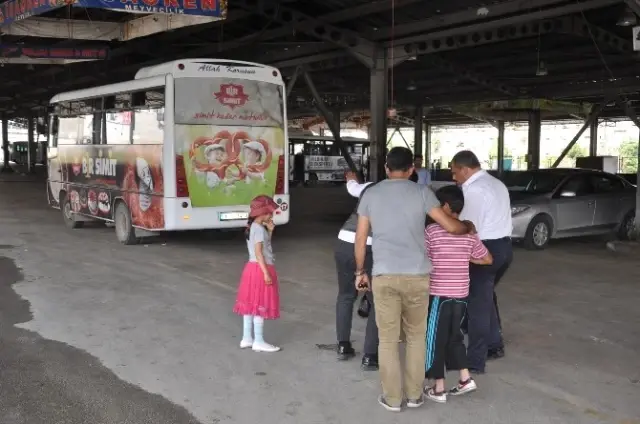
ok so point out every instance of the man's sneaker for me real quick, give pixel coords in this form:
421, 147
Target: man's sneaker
464, 387
345, 351
370, 363
431, 394
246, 343
264, 347
383, 402
415, 403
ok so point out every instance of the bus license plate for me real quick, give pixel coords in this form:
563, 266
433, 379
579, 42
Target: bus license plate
233, 216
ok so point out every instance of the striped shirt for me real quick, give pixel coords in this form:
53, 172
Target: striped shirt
450, 256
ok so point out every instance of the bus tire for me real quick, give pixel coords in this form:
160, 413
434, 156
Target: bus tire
67, 212
125, 232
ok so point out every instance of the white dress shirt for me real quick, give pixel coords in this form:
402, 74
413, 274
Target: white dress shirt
487, 205
355, 189
424, 176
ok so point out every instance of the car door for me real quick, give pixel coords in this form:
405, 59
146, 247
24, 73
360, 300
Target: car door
574, 204
609, 195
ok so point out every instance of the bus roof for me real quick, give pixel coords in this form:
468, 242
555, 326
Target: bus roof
104, 90
212, 67
294, 137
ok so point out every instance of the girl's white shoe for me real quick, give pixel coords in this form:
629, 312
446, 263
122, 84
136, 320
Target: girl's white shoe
264, 347
245, 343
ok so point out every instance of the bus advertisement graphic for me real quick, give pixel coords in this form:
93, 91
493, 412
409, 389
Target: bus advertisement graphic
95, 176
230, 165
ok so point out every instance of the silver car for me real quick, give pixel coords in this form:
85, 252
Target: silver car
558, 203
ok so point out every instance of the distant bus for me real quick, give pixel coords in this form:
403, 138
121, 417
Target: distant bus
318, 159
186, 145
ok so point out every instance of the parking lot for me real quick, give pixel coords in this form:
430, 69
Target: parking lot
96, 332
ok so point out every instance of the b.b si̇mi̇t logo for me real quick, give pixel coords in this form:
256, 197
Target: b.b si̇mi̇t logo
232, 95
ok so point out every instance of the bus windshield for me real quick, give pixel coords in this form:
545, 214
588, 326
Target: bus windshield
228, 101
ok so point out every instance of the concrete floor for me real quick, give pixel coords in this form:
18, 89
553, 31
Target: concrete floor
95, 332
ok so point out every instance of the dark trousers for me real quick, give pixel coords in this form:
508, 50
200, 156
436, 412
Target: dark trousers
445, 341
347, 296
483, 324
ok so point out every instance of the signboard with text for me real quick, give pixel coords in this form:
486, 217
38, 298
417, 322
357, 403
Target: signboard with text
211, 8
39, 52
17, 10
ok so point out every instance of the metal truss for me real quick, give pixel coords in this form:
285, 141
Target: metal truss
580, 27
361, 48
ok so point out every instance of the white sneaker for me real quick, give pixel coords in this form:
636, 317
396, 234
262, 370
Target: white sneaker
264, 347
245, 343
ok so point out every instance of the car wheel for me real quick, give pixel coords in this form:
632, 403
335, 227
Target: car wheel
538, 233
67, 213
627, 227
124, 229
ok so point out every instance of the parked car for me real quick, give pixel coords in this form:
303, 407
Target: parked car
558, 203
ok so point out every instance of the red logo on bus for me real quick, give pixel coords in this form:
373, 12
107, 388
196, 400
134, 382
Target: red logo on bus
231, 95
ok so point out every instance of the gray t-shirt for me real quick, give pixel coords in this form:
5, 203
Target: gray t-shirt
259, 234
397, 210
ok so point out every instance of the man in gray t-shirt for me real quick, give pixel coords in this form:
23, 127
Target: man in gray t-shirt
395, 209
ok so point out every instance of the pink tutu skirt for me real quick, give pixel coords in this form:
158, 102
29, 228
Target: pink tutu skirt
255, 297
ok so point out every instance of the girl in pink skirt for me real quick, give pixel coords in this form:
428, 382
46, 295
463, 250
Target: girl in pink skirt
258, 298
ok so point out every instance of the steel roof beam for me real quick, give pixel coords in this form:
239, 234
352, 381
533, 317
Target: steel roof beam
415, 42
475, 14
579, 26
634, 5
361, 48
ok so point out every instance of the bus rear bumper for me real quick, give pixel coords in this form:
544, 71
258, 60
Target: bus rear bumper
178, 217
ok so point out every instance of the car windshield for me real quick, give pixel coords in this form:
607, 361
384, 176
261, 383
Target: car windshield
536, 182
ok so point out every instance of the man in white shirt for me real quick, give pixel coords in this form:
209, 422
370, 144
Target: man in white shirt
421, 174
487, 205
347, 293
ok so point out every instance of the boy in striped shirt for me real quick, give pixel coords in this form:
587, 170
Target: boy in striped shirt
450, 256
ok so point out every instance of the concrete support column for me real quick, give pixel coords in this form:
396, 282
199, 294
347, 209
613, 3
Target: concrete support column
500, 125
417, 133
427, 145
5, 144
31, 144
637, 220
533, 154
593, 140
336, 118
379, 83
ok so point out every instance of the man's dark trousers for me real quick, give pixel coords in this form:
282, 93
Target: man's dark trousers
483, 324
347, 296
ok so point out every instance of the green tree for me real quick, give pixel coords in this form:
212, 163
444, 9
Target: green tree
577, 151
628, 155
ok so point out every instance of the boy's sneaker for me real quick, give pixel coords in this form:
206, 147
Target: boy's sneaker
464, 387
431, 394
383, 402
264, 347
246, 343
415, 403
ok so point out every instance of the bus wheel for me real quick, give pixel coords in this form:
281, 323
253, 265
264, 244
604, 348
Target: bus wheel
124, 229
67, 213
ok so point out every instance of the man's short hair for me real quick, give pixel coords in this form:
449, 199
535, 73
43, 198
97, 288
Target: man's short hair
465, 159
451, 195
418, 157
399, 159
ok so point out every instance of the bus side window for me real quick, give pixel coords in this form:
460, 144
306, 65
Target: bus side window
117, 119
148, 116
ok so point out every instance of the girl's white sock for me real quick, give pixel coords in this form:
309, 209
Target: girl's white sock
258, 329
247, 321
